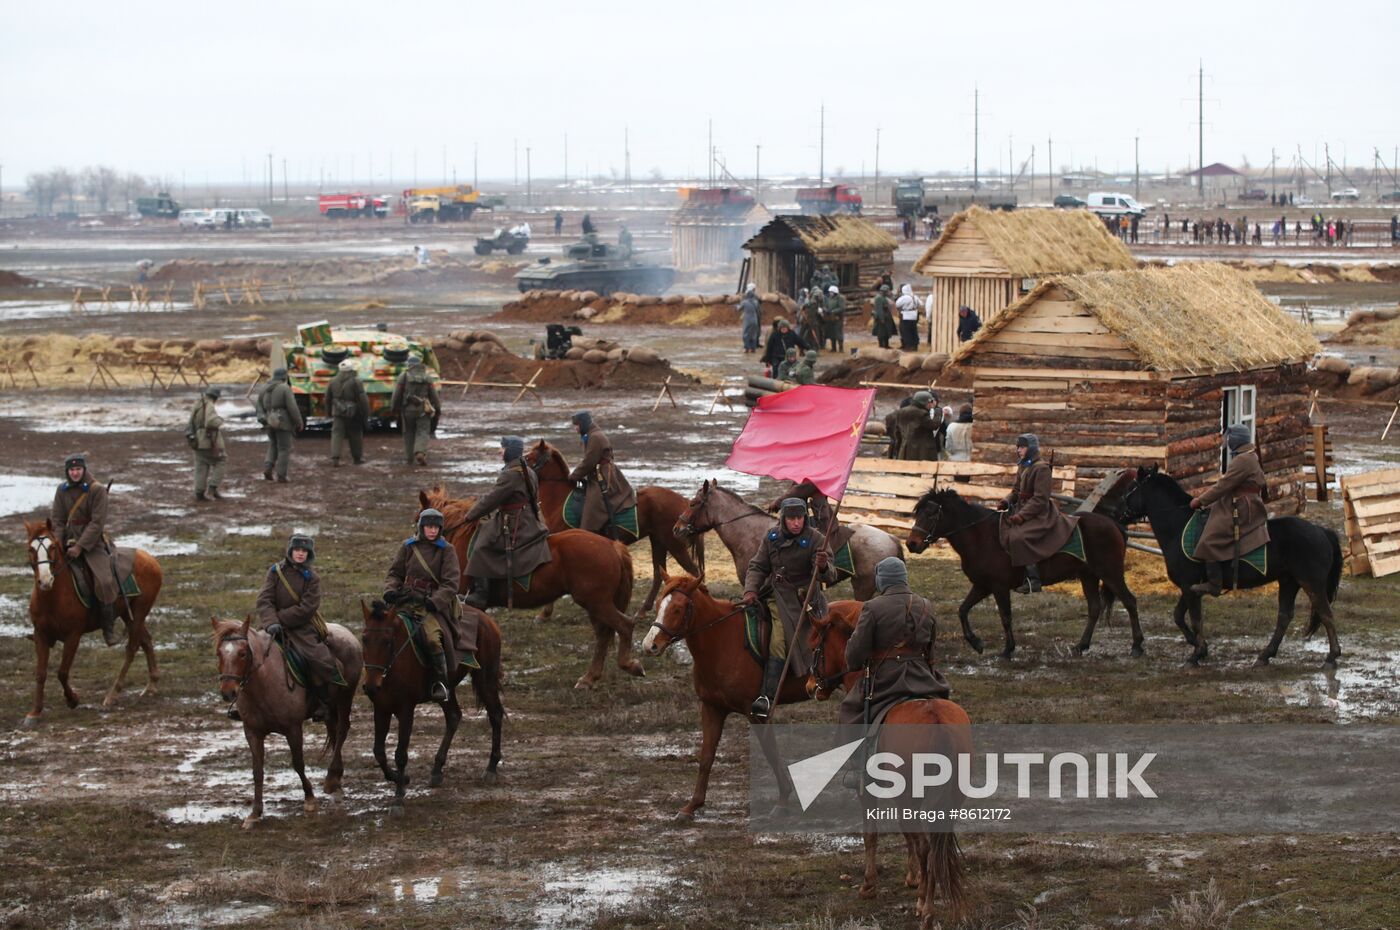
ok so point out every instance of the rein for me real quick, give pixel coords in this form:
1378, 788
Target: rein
689, 618
252, 658
539, 464
991, 514
689, 523
393, 657
828, 683
1133, 488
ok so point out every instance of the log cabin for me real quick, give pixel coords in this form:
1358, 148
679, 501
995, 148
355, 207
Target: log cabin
1130, 367
989, 259
786, 252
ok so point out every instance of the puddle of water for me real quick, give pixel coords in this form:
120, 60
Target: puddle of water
250, 529
234, 913
575, 897
21, 494
157, 547
197, 813
1365, 685
14, 617
121, 303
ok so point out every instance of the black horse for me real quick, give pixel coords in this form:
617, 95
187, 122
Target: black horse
1301, 555
972, 531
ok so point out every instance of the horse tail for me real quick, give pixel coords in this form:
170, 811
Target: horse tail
944, 869
622, 598
489, 652
1334, 580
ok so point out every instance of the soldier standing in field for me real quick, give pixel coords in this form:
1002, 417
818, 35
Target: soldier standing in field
348, 406
205, 435
416, 404
834, 320
277, 411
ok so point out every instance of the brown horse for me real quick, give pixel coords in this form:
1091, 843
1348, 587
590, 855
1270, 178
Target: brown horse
726, 678
57, 615
972, 531
657, 511
396, 688
595, 571
253, 673
935, 860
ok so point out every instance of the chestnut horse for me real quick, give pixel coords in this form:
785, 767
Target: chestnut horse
657, 510
594, 570
57, 615
972, 531
935, 860
397, 683
726, 678
253, 673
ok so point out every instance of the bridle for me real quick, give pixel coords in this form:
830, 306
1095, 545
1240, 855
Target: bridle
825, 684
252, 664
949, 534
689, 619
1126, 516
538, 464
44, 544
686, 521
394, 655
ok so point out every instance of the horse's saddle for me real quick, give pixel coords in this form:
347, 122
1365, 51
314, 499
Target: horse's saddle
624, 522
81, 574
758, 630
1257, 559
1075, 544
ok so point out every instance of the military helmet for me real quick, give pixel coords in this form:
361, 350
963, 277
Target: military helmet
302, 541
279, 374
791, 352
833, 289
413, 360
922, 399
811, 355
430, 516
213, 393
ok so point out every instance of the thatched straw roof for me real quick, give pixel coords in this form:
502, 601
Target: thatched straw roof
1189, 318
823, 235
1039, 242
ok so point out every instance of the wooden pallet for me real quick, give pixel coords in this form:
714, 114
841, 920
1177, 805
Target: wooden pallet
1372, 504
883, 492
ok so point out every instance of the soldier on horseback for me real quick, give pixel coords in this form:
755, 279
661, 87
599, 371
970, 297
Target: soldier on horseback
607, 493
79, 518
515, 541
792, 556
894, 638
1243, 525
289, 610
1033, 528
423, 580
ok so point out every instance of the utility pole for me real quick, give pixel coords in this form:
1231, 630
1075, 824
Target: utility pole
976, 131
1327, 156
1050, 165
877, 164
757, 173
269, 177
285, 196
1273, 174
566, 161
1032, 171
415, 166
1201, 127
515, 165
821, 149
627, 156
1011, 159
529, 188
444, 164
475, 147
709, 153
1137, 171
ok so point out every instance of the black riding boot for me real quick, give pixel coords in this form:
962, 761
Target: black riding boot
317, 701
1211, 585
109, 624
1032, 583
439, 689
763, 704
476, 593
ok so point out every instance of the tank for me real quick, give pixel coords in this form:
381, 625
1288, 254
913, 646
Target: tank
593, 265
379, 356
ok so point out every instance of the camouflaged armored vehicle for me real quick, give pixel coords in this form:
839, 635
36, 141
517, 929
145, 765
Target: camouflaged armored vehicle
379, 356
593, 265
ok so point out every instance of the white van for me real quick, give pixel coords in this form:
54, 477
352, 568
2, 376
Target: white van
252, 217
1108, 204
196, 219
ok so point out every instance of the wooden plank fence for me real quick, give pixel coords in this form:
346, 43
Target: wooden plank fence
883, 492
1372, 504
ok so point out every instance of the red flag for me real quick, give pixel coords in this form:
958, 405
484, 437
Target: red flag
809, 433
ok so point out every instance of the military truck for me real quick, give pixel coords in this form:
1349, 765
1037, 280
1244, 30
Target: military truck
593, 265
379, 356
162, 204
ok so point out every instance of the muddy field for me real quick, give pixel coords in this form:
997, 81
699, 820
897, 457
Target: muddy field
129, 817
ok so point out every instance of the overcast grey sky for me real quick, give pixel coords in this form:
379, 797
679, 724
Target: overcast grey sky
208, 89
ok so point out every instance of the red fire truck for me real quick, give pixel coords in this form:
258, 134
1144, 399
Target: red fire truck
838, 198
340, 206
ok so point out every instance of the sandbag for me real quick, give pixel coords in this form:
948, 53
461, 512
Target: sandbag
648, 300
1334, 364
264, 345
455, 344
935, 361
911, 361
879, 355
616, 355
643, 356
875, 428
1387, 313
588, 296
771, 297
694, 300
585, 313
632, 300
1358, 317
672, 299
595, 356
211, 345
